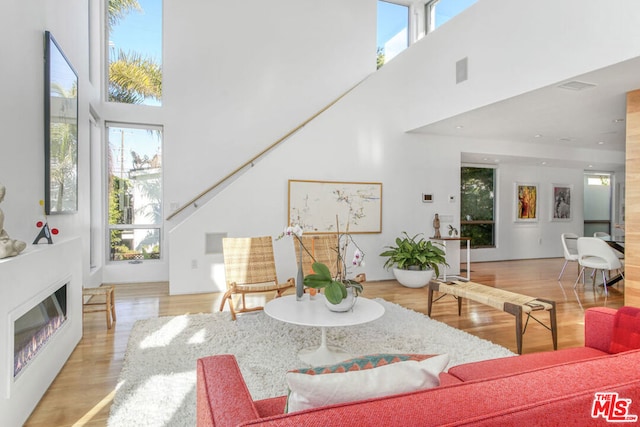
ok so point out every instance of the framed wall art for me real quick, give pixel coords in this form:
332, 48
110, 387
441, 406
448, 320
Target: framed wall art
61, 131
526, 202
315, 205
561, 203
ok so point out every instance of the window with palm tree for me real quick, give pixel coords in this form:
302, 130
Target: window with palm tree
134, 29
134, 161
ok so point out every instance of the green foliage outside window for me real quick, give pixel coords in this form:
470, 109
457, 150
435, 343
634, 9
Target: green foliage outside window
133, 76
477, 205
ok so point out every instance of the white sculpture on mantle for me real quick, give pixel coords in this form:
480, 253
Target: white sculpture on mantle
8, 246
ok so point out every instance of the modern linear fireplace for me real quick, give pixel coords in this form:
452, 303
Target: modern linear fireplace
33, 330
40, 322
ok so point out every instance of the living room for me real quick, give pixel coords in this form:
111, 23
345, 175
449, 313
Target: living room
220, 108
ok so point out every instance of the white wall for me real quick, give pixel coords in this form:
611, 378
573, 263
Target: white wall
514, 47
22, 114
362, 139
237, 78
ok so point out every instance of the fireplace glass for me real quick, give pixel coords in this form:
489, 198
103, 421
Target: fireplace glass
33, 329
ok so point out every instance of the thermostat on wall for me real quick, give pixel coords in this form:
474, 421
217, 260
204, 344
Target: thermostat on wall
427, 198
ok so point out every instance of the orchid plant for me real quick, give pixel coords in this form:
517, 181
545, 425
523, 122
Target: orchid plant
335, 288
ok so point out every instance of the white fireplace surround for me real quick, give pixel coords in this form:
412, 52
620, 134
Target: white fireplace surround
25, 280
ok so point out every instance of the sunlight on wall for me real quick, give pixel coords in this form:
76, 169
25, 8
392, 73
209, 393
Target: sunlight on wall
370, 149
218, 277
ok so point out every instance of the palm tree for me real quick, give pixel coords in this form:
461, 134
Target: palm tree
118, 9
63, 146
132, 76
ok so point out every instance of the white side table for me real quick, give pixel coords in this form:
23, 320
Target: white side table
444, 241
315, 313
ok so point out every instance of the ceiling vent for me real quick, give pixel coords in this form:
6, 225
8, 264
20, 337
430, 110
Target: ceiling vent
576, 85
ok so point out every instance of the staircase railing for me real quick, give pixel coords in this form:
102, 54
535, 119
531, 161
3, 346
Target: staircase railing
252, 160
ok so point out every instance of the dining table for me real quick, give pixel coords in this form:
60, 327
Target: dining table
617, 244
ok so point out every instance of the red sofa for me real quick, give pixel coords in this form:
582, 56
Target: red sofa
550, 388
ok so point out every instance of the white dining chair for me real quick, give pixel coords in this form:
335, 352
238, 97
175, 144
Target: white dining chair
606, 236
595, 253
570, 248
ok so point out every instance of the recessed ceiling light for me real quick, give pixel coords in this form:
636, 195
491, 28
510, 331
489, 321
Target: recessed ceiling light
566, 139
590, 166
543, 163
617, 120
538, 135
600, 142
459, 127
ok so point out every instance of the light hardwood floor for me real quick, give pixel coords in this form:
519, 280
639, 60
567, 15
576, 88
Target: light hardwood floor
82, 392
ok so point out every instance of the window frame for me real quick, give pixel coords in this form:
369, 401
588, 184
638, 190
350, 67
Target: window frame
494, 213
429, 11
416, 28
108, 49
159, 225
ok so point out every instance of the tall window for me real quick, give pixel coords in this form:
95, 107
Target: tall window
477, 206
597, 203
135, 51
437, 12
393, 30
135, 192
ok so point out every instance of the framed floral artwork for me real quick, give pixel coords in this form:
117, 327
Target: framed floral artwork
561, 209
330, 206
526, 202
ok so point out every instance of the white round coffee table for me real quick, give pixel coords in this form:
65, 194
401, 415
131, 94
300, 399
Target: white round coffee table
315, 313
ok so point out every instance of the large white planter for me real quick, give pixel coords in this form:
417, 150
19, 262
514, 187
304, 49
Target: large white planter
413, 278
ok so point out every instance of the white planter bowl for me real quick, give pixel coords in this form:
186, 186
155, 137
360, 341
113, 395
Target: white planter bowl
413, 278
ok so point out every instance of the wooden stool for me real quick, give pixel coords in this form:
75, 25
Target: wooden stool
108, 305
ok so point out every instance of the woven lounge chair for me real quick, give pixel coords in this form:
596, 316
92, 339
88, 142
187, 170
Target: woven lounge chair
250, 268
324, 248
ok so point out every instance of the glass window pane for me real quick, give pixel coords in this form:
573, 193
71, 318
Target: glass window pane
134, 244
135, 192
135, 175
440, 11
477, 205
135, 51
393, 30
477, 192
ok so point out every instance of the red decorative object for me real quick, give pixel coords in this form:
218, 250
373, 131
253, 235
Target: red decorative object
45, 231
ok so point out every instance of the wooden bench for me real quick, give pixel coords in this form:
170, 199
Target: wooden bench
510, 302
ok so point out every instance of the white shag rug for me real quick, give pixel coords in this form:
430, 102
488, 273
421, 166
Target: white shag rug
158, 378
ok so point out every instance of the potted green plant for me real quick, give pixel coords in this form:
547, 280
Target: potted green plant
415, 260
335, 288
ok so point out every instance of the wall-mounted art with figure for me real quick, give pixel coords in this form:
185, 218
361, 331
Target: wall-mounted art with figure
561, 207
526, 205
